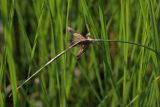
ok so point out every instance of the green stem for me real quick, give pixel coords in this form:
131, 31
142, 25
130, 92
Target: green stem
128, 42
89, 40
53, 59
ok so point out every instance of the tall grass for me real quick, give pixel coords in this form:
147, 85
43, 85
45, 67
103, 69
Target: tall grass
108, 74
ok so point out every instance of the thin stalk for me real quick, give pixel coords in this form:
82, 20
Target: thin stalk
75, 44
50, 61
128, 42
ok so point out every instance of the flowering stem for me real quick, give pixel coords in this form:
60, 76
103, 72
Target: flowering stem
75, 44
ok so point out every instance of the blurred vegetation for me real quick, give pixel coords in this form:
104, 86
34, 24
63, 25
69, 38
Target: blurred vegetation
108, 74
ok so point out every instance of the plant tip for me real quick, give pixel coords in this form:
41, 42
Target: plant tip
71, 30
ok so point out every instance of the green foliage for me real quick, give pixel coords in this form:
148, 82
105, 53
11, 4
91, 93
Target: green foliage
108, 74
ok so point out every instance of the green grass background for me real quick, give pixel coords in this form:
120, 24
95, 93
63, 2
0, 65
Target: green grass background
116, 74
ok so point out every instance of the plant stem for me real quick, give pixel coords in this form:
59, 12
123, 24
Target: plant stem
128, 42
53, 59
89, 40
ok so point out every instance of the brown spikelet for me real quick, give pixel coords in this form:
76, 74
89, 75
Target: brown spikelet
84, 41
